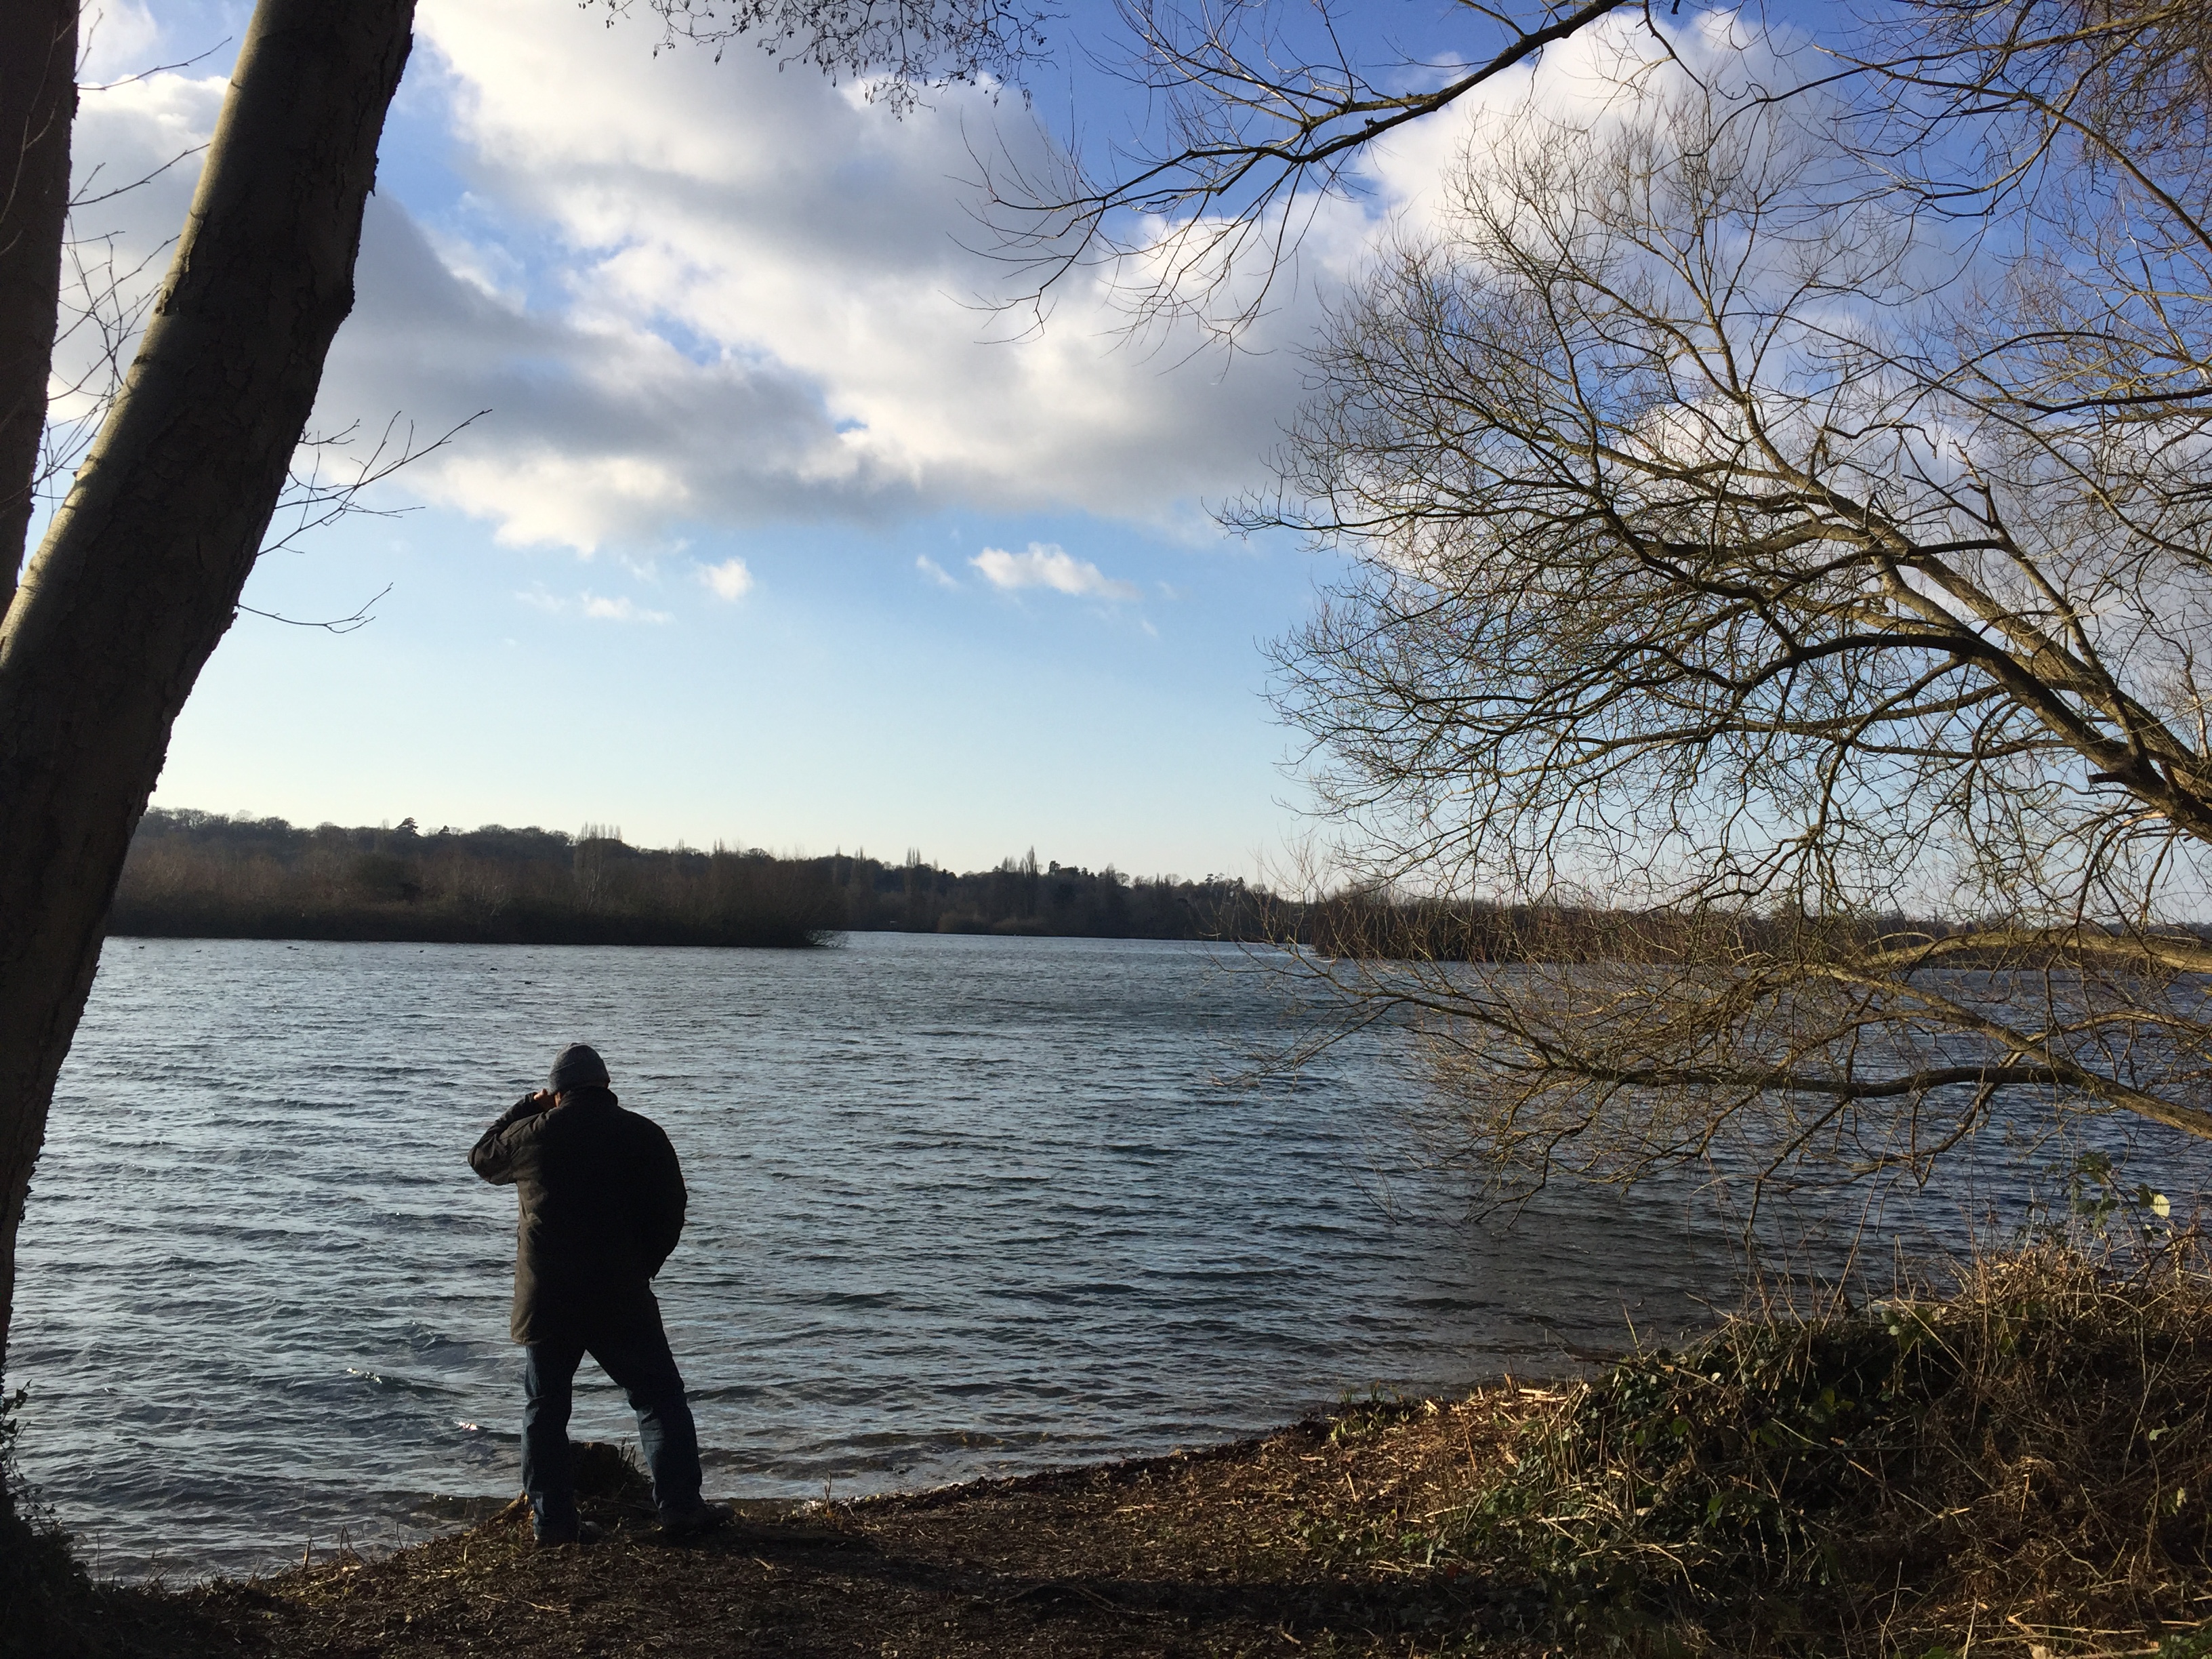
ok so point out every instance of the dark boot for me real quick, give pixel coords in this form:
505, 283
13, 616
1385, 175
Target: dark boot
690, 1522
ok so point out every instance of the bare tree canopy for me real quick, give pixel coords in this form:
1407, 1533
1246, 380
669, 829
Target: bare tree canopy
1255, 111
1774, 515
902, 47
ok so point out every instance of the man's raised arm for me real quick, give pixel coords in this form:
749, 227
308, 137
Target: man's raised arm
493, 1156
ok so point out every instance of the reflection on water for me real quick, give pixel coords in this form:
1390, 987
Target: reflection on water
958, 1205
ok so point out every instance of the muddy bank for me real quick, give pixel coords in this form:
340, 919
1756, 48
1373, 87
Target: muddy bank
1263, 1547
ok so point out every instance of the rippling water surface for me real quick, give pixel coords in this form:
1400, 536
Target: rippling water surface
958, 1205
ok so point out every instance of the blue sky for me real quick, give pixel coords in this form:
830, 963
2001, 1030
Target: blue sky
764, 538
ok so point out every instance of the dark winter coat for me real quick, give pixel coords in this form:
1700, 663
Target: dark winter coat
601, 1199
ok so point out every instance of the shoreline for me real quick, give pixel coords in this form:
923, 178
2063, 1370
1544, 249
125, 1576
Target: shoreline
1253, 1547
2018, 1464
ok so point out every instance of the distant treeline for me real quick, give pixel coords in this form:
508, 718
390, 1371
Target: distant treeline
1372, 925
203, 875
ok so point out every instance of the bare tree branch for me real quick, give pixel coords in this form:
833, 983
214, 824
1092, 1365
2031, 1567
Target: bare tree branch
1253, 133
1745, 558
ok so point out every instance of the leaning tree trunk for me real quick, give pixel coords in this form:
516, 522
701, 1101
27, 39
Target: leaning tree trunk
140, 573
38, 100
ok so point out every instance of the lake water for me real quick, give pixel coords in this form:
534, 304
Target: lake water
958, 1206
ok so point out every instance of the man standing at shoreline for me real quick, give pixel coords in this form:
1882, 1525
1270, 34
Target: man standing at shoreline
601, 1205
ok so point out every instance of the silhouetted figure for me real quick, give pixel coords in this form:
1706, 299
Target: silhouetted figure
601, 1200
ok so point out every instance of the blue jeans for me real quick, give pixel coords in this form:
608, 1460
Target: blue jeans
642, 1367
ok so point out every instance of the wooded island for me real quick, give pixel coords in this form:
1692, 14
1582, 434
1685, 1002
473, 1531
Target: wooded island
193, 874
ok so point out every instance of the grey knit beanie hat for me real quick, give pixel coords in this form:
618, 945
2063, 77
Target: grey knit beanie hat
577, 1067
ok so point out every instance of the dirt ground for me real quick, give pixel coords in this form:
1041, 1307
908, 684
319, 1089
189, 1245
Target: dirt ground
1310, 1540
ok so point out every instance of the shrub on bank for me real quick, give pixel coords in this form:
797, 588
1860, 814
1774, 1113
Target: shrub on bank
42, 1590
2029, 1453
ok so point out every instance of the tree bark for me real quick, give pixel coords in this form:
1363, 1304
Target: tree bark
140, 573
38, 102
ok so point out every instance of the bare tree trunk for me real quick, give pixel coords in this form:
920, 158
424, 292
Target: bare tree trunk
140, 572
37, 101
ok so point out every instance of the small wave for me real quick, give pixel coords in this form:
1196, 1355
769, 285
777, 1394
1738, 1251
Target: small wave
391, 1384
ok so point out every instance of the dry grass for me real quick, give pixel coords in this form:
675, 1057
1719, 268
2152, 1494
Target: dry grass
2023, 1462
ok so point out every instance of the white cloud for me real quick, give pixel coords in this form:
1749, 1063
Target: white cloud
1047, 566
622, 611
133, 153
731, 580
936, 572
719, 293
747, 303
593, 606
117, 39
